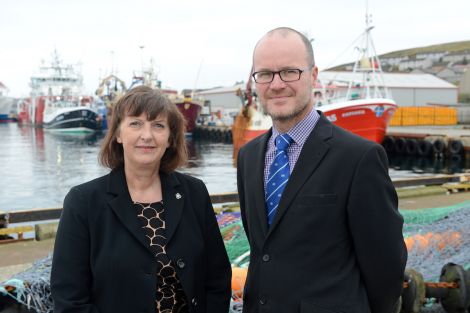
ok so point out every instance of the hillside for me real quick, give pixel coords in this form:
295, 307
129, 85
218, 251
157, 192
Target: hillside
451, 47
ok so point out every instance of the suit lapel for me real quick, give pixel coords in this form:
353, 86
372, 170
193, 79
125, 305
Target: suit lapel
313, 152
122, 206
173, 202
258, 182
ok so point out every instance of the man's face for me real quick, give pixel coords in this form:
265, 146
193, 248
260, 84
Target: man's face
284, 101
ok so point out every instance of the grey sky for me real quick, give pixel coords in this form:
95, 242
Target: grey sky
215, 36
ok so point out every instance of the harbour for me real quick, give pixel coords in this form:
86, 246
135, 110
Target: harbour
39, 167
415, 102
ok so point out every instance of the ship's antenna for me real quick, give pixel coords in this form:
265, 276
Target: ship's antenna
197, 78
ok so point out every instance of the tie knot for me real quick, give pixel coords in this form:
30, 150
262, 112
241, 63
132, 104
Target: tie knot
283, 141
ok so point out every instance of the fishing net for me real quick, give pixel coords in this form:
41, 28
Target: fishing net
437, 236
31, 288
434, 237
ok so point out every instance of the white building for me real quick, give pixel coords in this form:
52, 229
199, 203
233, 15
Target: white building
434, 56
393, 60
227, 100
465, 83
414, 63
457, 57
406, 89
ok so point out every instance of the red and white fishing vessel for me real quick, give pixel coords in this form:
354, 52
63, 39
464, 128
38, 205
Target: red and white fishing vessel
56, 102
358, 101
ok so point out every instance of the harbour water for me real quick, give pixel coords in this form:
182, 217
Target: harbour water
37, 167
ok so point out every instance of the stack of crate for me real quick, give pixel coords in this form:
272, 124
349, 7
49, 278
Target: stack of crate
424, 115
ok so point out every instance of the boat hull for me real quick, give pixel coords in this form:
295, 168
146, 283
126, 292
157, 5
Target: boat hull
6, 118
78, 120
367, 118
190, 111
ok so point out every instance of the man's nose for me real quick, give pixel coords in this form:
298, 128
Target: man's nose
277, 82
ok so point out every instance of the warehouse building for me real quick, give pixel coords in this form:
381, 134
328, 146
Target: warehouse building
406, 89
226, 100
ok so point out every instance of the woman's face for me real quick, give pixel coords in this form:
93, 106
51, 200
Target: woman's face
144, 142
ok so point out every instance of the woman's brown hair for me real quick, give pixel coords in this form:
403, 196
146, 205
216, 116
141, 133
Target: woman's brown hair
138, 100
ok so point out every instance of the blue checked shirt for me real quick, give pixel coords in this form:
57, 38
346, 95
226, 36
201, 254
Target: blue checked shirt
299, 133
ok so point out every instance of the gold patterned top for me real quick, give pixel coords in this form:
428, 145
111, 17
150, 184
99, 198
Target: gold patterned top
170, 297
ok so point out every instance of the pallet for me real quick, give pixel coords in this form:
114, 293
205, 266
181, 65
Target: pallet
19, 231
458, 187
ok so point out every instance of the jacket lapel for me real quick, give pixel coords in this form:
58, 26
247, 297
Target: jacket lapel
313, 152
258, 182
173, 202
122, 205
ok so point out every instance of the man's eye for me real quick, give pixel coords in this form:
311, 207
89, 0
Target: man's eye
291, 72
264, 74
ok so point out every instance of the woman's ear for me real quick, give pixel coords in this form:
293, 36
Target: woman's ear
118, 136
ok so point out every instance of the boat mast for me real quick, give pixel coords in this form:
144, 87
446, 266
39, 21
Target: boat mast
368, 64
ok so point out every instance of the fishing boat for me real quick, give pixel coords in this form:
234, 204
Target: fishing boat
69, 116
358, 101
361, 104
109, 90
56, 102
250, 122
188, 106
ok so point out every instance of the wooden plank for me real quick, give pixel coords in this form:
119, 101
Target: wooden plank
33, 215
224, 198
426, 181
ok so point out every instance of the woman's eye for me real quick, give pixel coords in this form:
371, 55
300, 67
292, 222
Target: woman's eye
134, 123
158, 125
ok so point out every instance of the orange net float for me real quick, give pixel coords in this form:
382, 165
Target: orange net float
438, 241
238, 281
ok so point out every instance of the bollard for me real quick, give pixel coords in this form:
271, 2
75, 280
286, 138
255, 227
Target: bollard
46, 230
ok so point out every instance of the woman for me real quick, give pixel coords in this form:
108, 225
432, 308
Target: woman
143, 238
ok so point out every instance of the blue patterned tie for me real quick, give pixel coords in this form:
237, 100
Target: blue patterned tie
278, 175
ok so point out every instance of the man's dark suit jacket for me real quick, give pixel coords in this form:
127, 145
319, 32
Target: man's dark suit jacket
103, 263
336, 243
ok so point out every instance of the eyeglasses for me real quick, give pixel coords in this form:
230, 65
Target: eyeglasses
289, 75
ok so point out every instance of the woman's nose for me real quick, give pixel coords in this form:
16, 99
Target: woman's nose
145, 132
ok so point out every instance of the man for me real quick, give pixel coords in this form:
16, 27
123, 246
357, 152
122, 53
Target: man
318, 207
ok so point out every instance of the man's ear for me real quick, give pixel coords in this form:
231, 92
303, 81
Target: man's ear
314, 76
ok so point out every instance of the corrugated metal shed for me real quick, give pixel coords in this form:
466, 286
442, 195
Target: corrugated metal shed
224, 99
229, 89
392, 80
406, 89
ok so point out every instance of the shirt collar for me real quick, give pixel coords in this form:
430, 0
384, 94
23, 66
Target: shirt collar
302, 129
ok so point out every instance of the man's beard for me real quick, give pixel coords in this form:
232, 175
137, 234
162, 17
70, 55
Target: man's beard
283, 117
